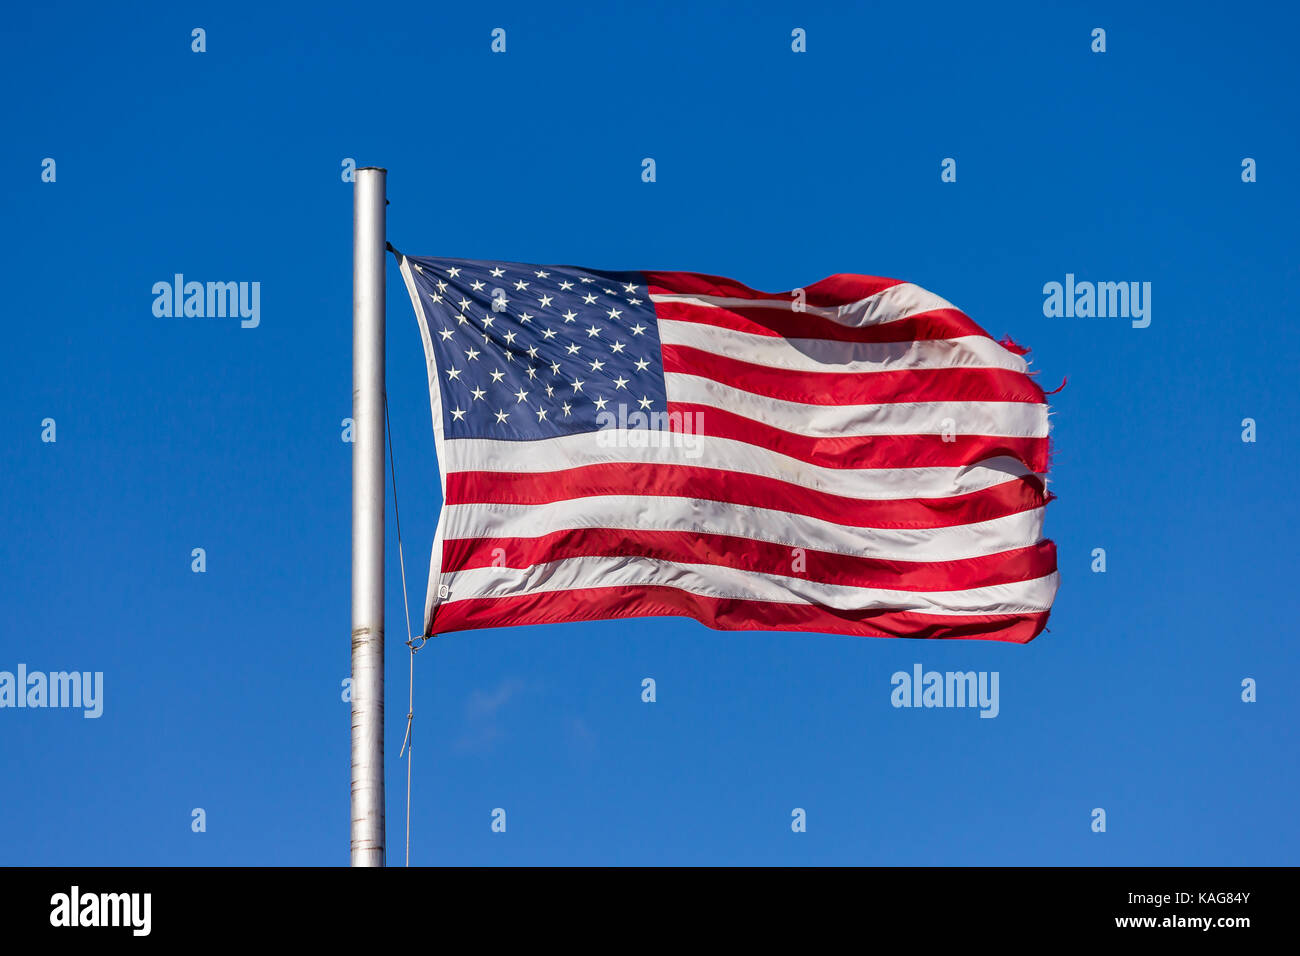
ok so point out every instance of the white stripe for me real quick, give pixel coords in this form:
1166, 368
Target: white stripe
825, 355
729, 583
705, 451
898, 302
702, 516
1006, 419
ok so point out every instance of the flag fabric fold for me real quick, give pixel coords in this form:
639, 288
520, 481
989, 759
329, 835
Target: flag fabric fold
854, 457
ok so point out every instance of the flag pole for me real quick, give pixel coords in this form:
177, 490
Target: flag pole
368, 231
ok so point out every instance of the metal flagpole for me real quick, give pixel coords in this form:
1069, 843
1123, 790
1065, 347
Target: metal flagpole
368, 222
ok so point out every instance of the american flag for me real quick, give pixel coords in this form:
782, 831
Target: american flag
856, 457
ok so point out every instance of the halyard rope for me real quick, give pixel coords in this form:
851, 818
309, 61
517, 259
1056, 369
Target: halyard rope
410, 641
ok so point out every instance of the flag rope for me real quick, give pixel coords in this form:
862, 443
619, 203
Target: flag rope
410, 640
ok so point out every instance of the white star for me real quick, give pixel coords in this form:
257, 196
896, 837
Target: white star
589, 298
601, 403
525, 317
498, 272
435, 297
633, 301
597, 365
510, 338
461, 319
446, 334
532, 374
521, 285
577, 385
478, 394
617, 347
573, 349
609, 291
498, 375
567, 408
417, 268
464, 304
613, 313
593, 331
645, 402
548, 333
502, 416
555, 368
532, 352
545, 301
488, 320
550, 390
587, 279
452, 373
520, 396
541, 274
620, 382
541, 414
630, 287
477, 285
642, 365
638, 329
453, 271
471, 354
570, 316
566, 285
442, 286
457, 414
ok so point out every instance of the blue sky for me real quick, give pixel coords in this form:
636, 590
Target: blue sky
222, 689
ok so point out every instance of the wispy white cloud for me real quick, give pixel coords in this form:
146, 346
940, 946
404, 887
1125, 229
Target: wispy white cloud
481, 711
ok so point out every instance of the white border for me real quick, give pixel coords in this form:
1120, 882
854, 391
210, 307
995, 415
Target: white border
435, 405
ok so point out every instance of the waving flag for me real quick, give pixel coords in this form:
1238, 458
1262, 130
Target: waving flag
857, 457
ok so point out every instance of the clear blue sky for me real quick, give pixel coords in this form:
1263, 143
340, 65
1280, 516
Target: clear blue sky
222, 689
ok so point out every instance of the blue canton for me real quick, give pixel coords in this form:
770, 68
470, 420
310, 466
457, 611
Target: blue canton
527, 352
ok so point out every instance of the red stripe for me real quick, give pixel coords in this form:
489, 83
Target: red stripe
857, 388
758, 491
873, 451
924, 326
832, 291
747, 554
726, 614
